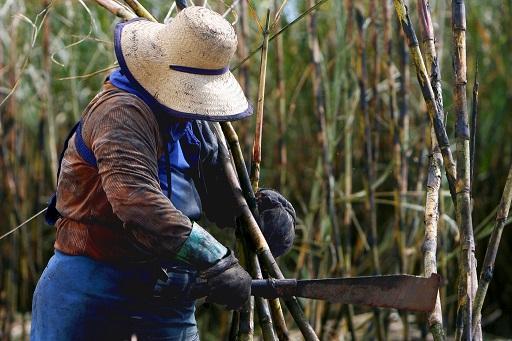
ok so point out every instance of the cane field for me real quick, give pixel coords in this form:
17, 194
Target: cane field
383, 122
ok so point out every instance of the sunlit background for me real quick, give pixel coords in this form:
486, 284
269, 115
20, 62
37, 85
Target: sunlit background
55, 55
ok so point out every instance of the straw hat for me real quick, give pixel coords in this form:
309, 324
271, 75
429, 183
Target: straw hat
184, 65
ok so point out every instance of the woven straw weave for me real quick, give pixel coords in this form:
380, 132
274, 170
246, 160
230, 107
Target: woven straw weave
197, 37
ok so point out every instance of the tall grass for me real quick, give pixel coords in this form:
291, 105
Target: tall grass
356, 161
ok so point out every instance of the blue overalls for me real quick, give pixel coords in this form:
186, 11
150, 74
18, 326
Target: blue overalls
78, 298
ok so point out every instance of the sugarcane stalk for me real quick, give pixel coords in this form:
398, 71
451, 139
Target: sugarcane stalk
322, 136
319, 108
328, 184
347, 148
428, 42
349, 109
243, 72
363, 85
281, 105
256, 148
11, 288
397, 140
139, 10
467, 264
399, 161
346, 38
246, 325
47, 101
39, 178
369, 149
435, 318
242, 186
245, 330
370, 202
39, 166
243, 49
3, 270
230, 8
428, 95
477, 325
347, 214
474, 115
374, 100
73, 88
116, 9
276, 311
377, 58
262, 304
275, 305
487, 269
403, 116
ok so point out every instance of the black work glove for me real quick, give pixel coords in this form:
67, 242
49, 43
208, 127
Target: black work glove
228, 283
277, 219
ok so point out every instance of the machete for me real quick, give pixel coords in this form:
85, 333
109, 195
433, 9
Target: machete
402, 292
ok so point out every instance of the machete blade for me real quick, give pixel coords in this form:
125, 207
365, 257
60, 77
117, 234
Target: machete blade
403, 292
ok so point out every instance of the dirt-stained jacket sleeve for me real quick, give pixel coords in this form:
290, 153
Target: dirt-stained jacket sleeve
123, 135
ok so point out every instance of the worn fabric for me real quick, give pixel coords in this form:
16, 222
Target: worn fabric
219, 199
277, 220
182, 166
78, 298
118, 215
201, 249
178, 135
120, 81
118, 211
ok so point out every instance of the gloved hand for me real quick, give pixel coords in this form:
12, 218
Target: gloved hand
277, 218
228, 283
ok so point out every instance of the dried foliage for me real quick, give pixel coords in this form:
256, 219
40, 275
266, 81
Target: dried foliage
352, 140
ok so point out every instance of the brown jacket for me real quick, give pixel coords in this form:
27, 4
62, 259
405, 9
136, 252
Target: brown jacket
117, 211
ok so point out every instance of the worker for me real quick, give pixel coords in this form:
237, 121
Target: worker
136, 174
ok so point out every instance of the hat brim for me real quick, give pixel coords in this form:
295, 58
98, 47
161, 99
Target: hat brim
180, 94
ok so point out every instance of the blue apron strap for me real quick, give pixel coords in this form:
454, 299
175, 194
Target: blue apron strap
66, 143
168, 165
82, 148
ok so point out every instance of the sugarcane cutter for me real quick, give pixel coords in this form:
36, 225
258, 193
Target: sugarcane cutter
402, 292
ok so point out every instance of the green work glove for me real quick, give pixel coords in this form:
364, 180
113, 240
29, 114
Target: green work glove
227, 282
201, 249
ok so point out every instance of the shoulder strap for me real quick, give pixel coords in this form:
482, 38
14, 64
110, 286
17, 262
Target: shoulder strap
166, 141
82, 149
66, 143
